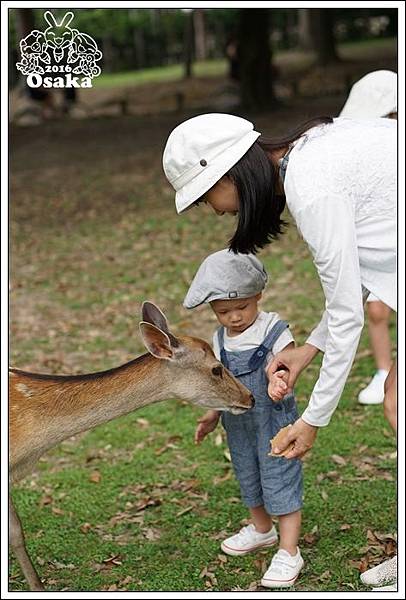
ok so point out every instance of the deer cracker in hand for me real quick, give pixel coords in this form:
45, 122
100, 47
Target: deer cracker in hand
279, 438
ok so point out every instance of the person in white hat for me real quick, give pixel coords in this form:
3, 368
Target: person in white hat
375, 95
338, 179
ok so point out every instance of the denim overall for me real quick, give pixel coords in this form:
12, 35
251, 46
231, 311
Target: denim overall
273, 482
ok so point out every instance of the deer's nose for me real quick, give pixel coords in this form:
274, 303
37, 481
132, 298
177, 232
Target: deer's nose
252, 400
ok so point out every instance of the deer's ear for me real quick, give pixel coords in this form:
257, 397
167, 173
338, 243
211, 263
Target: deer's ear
156, 341
152, 314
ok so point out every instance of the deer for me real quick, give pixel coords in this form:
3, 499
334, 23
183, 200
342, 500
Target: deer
46, 409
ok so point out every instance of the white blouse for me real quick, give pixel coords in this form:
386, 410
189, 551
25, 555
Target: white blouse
341, 190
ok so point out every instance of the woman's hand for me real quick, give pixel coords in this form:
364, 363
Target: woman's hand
292, 361
302, 434
206, 425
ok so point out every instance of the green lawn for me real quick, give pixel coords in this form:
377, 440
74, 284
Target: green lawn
134, 504
218, 67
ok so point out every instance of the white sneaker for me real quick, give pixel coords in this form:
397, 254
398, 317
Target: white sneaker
386, 572
248, 539
374, 393
283, 570
386, 588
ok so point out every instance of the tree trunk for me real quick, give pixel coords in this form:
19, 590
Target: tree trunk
254, 53
304, 31
188, 45
25, 23
322, 28
200, 34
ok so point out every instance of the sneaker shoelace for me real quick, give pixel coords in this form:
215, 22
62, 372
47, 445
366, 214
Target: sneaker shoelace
245, 532
280, 564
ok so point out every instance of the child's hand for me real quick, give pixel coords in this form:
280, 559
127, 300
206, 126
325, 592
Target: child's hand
277, 387
206, 424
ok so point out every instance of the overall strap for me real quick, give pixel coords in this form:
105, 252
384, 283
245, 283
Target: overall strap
261, 352
223, 353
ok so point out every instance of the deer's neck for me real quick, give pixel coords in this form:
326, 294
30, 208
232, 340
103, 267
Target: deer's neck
74, 404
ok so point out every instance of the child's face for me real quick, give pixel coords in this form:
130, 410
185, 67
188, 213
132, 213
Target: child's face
236, 315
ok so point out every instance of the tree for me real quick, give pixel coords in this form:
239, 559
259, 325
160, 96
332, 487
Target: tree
200, 34
322, 30
188, 43
254, 53
304, 32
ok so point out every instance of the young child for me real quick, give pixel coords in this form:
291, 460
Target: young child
232, 284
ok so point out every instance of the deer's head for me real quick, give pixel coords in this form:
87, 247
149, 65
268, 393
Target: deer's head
196, 375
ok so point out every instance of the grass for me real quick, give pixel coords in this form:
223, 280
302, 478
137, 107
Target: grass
218, 67
134, 504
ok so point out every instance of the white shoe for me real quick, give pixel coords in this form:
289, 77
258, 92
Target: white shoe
374, 393
386, 572
386, 588
283, 570
248, 539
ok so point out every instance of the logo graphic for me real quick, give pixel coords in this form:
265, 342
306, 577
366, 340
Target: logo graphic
59, 57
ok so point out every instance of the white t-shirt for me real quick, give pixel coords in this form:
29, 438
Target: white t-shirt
254, 335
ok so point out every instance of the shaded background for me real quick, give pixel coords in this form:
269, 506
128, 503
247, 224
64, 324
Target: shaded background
93, 233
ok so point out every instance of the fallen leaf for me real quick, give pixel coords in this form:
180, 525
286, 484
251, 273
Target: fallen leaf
184, 511
362, 448
253, 586
57, 511
45, 500
324, 495
85, 527
146, 503
125, 581
339, 460
325, 575
167, 446
95, 477
59, 565
143, 422
227, 454
225, 477
151, 534
114, 558
218, 439
345, 527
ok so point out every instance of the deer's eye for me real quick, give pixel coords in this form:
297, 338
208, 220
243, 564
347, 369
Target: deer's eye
218, 371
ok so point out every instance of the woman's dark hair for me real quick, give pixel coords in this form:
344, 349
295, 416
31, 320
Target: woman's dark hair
260, 207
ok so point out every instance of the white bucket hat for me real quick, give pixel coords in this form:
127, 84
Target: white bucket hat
201, 150
374, 95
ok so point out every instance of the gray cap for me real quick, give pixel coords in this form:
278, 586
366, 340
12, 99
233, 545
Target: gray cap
226, 276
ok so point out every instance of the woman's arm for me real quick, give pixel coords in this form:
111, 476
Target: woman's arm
328, 226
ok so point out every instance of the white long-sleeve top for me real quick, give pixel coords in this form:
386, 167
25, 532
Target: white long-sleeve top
341, 190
